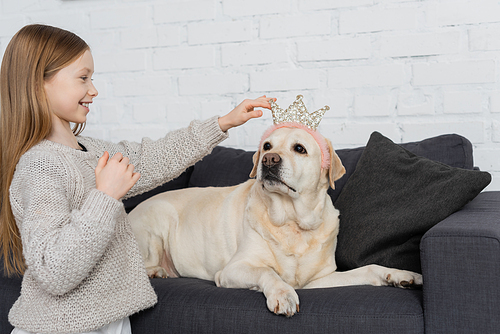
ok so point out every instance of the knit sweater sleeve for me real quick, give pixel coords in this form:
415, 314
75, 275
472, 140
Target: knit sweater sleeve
165, 159
61, 242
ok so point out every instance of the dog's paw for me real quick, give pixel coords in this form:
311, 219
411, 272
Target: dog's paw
156, 272
403, 279
283, 300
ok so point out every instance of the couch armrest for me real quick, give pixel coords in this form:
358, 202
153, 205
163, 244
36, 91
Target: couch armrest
461, 269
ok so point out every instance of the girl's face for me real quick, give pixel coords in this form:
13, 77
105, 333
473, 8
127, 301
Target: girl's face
70, 91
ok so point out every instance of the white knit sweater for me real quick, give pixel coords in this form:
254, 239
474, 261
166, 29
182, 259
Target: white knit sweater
84, 269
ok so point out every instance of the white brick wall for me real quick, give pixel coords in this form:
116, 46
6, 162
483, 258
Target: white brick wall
455, 72
378, 18
373, 76
184, 11
410, 69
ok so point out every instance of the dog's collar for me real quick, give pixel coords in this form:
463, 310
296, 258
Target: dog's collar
323, 145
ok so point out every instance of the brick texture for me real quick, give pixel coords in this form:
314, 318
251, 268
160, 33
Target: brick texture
410, 69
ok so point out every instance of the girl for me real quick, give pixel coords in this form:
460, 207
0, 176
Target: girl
62, 221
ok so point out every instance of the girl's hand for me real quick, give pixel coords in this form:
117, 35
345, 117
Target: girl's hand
116, 176
243, 112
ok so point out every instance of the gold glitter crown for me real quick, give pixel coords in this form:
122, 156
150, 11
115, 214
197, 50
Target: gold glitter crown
297, 112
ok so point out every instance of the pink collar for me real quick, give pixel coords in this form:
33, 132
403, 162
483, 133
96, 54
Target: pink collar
323, 145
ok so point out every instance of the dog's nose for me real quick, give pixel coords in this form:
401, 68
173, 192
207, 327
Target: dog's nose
271, 159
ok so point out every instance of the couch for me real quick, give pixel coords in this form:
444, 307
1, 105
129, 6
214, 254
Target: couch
460, 263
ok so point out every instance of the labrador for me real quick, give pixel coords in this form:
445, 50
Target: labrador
274, 233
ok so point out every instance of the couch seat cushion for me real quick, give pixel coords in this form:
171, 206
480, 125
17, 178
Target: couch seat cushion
189, 305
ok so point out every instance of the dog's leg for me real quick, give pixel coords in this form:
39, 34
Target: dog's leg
369, 275
151, 245
153, 255
281, 297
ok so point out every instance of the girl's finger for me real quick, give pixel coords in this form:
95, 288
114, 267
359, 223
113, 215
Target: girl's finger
135, 177
261, 104
125, 161
256, 113
118, 156
101, 163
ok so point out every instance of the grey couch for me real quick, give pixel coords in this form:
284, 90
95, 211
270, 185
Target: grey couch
460, 263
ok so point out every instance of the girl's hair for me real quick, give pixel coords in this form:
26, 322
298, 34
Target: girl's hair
35, 54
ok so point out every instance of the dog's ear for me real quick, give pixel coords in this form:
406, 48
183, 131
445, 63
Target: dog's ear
256, 157
337, 170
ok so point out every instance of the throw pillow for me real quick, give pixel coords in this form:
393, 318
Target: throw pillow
451, 149
392, 198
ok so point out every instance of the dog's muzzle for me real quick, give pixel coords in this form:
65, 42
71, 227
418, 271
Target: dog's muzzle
271, 164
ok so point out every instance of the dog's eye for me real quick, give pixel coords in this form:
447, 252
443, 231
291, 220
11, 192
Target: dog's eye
267, 146
300, 149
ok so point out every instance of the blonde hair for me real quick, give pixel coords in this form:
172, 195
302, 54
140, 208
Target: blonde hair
35, 54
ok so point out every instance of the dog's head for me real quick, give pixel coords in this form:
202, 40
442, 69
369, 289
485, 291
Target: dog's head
292, 160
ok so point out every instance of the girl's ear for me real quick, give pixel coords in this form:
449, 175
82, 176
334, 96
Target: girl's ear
256, 158
336, 170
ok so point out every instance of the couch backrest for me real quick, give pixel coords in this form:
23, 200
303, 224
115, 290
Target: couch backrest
228, 166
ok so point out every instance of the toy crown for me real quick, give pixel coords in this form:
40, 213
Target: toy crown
297, 112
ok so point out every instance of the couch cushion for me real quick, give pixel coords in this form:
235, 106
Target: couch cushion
223, 167
188, 305
392, 198
180, 182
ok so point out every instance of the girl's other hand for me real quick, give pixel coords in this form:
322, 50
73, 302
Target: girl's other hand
115, 176
243, 112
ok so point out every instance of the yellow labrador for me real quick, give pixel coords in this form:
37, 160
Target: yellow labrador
275, 233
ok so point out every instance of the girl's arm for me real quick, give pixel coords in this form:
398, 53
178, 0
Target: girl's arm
166, 158
163, 160
62, 242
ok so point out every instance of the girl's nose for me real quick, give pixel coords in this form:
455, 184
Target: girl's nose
93, 91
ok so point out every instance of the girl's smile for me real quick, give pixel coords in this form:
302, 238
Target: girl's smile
86, 105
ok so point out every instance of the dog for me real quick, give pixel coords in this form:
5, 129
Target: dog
274, 233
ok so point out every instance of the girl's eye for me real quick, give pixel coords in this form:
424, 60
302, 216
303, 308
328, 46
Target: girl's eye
84, 78
300, 149
266, 147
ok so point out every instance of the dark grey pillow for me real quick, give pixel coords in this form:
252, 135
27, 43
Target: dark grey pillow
451, 149
392, 198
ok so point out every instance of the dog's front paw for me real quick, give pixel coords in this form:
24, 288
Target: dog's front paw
156, 272
403, 279
283, 300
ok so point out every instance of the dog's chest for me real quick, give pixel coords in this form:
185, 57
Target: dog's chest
292, 241
296, 252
